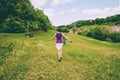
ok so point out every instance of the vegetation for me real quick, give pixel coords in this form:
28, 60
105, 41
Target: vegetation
110, 20
115, 36
19, 16
99, 28
100, 32
36, 59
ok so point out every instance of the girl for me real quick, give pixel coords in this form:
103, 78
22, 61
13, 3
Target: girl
59, 42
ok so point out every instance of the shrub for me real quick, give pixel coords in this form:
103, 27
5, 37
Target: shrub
101, 33
108, 39
97, 33
115, 36
64, 29
13, 25
84, 32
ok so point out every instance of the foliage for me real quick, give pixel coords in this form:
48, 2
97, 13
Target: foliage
103, 33
16, 14
13, 25
100, 33
64, 28
99, 21
115, 36
110, 20
83, 31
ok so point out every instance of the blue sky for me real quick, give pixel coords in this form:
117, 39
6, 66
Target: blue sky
63, 12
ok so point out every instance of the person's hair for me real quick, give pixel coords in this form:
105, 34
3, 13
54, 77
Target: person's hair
59, 29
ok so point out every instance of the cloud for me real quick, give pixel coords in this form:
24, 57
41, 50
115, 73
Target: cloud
74, 10
49, 12
58, 2
61, 12
55, 2
38, 3
102, 12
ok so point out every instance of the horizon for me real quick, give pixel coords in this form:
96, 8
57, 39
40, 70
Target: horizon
63, 12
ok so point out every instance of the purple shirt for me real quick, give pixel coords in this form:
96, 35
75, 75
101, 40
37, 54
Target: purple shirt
58, 37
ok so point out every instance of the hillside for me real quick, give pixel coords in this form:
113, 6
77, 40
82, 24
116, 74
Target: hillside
23, 58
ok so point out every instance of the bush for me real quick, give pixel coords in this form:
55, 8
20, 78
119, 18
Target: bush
115, 36
64, 29
13, 25
117, 23
84, 32
101, 33
108, 39
98, 33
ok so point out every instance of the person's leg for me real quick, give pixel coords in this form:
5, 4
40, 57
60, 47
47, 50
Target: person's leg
59, 48
60, 55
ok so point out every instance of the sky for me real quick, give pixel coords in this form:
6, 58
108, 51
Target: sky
63, 12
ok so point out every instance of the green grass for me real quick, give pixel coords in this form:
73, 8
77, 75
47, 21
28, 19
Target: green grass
36, 58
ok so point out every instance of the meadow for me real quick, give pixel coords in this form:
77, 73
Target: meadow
36, 58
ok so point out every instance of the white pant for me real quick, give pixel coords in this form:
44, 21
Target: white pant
59, 46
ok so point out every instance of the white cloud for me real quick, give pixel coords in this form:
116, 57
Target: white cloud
38, 3
49, 12
61, 12
102, 12
66, 1
116, 10
92, 11
55, 2
74, 10
58, 2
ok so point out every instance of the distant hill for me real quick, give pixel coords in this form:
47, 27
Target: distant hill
19, 16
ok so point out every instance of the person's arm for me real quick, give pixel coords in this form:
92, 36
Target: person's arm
66, 37
53, 37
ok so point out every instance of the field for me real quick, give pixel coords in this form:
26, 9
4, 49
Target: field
36, 58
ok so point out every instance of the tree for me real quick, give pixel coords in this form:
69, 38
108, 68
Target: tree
115, 36
99, 21
13, 25
23, 10
100, 33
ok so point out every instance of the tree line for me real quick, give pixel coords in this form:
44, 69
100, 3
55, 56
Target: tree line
111, 20
19, 16
97, 28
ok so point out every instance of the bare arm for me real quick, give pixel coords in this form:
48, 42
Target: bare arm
66, 37
53, 37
